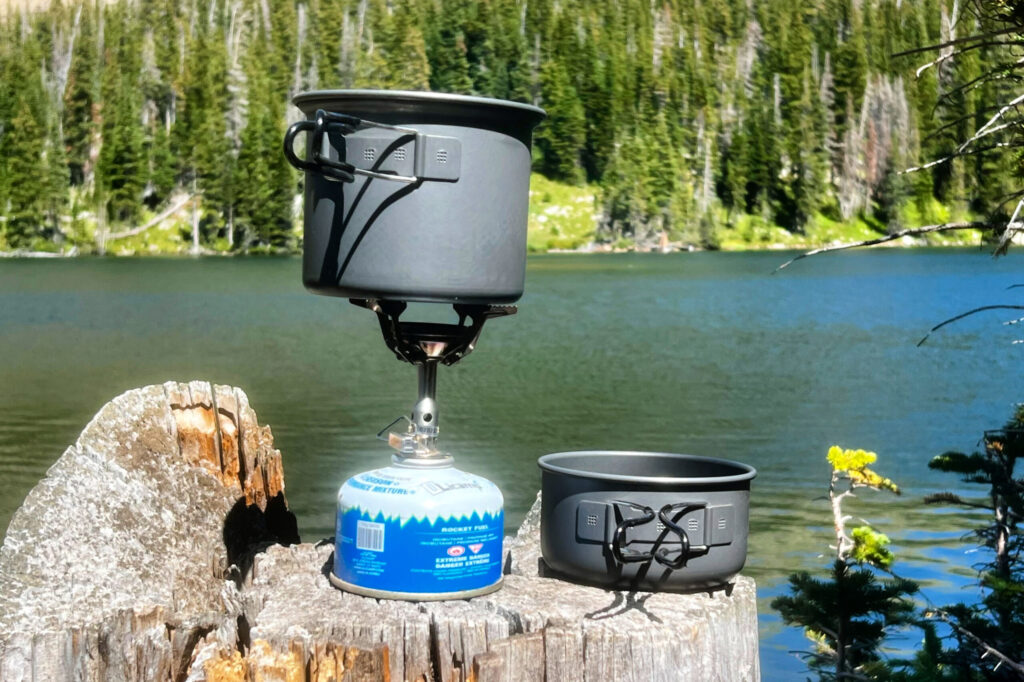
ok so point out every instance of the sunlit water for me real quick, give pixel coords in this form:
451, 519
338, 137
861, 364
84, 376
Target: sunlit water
702, 353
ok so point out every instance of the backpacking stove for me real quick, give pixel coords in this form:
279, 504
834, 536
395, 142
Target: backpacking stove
416, 196
421, 529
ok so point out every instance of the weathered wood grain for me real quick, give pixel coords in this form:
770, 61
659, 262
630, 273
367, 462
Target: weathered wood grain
114, 567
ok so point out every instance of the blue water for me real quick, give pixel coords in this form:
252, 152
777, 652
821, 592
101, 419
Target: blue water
704, 353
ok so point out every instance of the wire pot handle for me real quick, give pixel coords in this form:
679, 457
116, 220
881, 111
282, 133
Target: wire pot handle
344, 124
619, 551
659, 554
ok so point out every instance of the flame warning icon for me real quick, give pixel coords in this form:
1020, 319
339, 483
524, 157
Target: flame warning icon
474, 548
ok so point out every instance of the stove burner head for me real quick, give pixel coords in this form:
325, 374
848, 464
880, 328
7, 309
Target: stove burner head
427, 344
421, 343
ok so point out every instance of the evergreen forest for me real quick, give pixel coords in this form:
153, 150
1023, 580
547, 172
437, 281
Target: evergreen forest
686, 119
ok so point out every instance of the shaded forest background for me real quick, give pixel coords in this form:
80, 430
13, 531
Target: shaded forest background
687, 118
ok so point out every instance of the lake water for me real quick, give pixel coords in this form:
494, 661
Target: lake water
702, 353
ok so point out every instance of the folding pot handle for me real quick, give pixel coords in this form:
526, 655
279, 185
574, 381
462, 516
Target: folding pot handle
668, 516
629, 556
665, 516
433, 157
289, 145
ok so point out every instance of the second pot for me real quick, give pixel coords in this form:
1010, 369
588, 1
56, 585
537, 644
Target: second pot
644, 520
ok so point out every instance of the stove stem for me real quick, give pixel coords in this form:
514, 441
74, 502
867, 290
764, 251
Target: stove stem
424, 412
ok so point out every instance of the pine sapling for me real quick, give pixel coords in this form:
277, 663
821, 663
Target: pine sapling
848, 614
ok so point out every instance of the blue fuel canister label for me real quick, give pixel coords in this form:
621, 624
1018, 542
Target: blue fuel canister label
418, 555
423, 530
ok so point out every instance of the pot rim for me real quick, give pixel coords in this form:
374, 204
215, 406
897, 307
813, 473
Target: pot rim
414, 96
549, 463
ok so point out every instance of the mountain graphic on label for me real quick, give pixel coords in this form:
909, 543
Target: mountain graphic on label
456, 550
476, 547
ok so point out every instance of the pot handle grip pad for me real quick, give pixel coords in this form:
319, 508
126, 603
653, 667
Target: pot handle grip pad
411, 157
693, 527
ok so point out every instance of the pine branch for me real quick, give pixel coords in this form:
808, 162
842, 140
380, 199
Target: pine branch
1008, 197
984, 78
953, 498
978, 641
909, 232
957, 41
988, 124
957, 154
956, 53
968, 314
1011, 228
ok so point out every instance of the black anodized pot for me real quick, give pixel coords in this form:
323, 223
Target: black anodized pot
414, 196
644, 520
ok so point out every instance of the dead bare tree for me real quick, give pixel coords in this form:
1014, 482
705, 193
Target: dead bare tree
998, 23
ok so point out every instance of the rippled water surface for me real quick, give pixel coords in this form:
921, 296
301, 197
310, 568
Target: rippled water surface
702, 353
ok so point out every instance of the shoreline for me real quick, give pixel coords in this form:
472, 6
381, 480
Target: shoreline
589, 249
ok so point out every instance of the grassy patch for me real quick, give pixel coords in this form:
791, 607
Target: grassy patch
561, 216
169, 237
753, 232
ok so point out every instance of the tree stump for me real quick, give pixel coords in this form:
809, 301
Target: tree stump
159, 547
127, 552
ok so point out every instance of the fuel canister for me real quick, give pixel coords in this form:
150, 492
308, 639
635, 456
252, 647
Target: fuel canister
418, 530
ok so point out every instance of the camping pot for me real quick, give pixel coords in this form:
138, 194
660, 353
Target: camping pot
414, 196
644, 520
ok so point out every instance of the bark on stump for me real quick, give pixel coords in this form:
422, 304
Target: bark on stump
120, 566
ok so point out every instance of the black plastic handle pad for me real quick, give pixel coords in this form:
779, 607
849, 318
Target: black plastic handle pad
664, 515
628, 556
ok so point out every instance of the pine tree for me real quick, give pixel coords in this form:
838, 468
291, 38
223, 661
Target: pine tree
82, 99
55, 180
211, 146
998, 619
6, 114
25, 148
851, 61
265, 181
331, 43
405, 51
846, 614
562, 135
623, 196
811, 154
447, 51
25, 213
120, 168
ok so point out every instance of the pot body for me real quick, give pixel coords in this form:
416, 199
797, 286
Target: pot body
418, 530
604, 513
453, 232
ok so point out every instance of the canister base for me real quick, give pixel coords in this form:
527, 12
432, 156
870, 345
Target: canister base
412, 596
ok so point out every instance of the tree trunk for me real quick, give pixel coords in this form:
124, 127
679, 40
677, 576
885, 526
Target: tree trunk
195, 219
